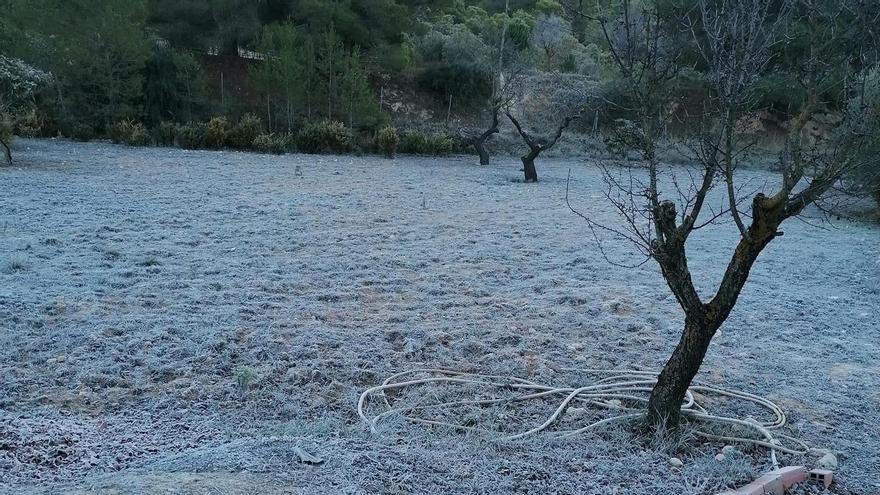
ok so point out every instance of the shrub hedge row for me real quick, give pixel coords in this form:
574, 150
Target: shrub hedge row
248, 134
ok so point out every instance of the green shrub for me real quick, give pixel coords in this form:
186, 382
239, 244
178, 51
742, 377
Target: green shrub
270, 143
414, 142
779, 91
263, 142
82, 132
120, 131
138, 135
165, 133
425, 143
216, 133
387, 141
325, 137
244, 133
191, 136
6, 126
28, 124
290, 142
5, 137
129, 132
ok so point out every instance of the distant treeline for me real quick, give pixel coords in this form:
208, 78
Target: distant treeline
87, 68
308, 60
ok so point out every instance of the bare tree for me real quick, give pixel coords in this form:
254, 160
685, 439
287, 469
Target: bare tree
479, 141
502, 95
499, 98
735, 38
537, 144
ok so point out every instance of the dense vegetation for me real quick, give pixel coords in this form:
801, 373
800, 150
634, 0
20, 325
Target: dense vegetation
163, 70
310, 60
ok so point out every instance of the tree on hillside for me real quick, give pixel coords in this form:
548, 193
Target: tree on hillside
202, 25
548, 36
173, 86
309, 60
366, 23
357, 97
735, 39
282, 72
18, 84
186, 24
96, 52
860, 44
455, 62
329, 55
499, 98
472, 56
299, 73
864, 179
237, 23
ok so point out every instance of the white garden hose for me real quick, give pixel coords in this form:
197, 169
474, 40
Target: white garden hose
616, 388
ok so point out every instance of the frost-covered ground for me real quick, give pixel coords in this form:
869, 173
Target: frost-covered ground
177, 322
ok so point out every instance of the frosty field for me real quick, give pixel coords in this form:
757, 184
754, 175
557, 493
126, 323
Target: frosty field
178, 321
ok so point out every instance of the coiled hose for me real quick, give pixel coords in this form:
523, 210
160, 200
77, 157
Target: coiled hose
614, 389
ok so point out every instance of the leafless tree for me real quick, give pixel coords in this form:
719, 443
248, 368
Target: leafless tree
735, 38
499, 98
502, 95
479, 141
538, 144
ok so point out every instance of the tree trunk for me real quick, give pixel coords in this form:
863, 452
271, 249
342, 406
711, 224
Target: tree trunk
537, 146
664, 406
528, 160
7, 153
480, 146
268, 113
330, 85
703, 320
449, 110
480, 141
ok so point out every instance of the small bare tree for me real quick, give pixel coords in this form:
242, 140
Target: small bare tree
537, 144
479, 141
735, 38
501, 93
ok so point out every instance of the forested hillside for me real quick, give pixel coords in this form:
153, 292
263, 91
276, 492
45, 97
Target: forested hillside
440, 73
294, 61
288, 61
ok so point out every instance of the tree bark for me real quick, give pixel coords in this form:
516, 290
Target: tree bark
480, 146
664, 406
7, 153
479, 142
531, 174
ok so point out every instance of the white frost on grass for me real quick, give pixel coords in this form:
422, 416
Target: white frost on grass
153, 277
